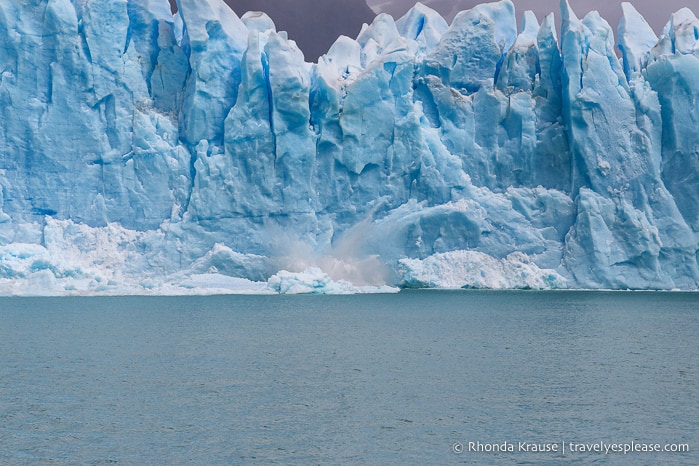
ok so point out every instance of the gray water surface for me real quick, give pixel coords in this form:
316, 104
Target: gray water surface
373, 379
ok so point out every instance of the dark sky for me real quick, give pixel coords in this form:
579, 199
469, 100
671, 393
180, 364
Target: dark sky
315, 24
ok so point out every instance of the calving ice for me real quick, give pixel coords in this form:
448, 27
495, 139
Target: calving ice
146, 152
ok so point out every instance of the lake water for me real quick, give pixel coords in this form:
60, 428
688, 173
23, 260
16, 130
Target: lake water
373, 379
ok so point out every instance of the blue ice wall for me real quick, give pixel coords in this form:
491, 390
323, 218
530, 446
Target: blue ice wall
413, 141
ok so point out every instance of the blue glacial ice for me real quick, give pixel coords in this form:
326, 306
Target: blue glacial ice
146, 152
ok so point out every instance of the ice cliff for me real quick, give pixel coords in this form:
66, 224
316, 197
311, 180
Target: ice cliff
144, 152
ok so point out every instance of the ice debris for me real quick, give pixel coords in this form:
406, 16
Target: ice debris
472, 269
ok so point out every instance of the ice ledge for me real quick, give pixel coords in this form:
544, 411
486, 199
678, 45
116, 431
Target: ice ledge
473, 269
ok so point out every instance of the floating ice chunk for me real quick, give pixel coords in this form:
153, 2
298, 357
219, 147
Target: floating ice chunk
212, 283
314, 281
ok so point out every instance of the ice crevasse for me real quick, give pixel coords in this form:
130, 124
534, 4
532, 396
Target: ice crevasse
146, 152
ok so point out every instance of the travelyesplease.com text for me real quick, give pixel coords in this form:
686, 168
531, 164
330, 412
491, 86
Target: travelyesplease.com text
564, 448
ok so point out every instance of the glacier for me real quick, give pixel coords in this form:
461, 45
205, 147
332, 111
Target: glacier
143, 152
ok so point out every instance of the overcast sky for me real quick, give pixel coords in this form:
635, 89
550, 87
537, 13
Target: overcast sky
656, 12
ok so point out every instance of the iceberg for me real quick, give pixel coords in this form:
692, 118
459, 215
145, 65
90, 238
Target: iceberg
314, 281
143, 152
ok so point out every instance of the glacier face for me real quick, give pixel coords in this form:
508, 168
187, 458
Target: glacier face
142, 151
